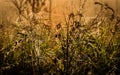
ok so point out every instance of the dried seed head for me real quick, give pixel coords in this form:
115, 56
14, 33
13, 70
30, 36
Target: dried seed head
77, 24
47, 27
58, 26
71, 15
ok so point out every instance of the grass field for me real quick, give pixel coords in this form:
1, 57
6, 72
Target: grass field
73, 47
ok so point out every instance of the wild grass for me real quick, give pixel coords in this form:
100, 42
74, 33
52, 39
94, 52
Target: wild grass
77, 48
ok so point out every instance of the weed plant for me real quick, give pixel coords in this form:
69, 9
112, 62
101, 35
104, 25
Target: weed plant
76, 48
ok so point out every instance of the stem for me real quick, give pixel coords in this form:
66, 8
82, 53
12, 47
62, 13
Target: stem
67, 50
